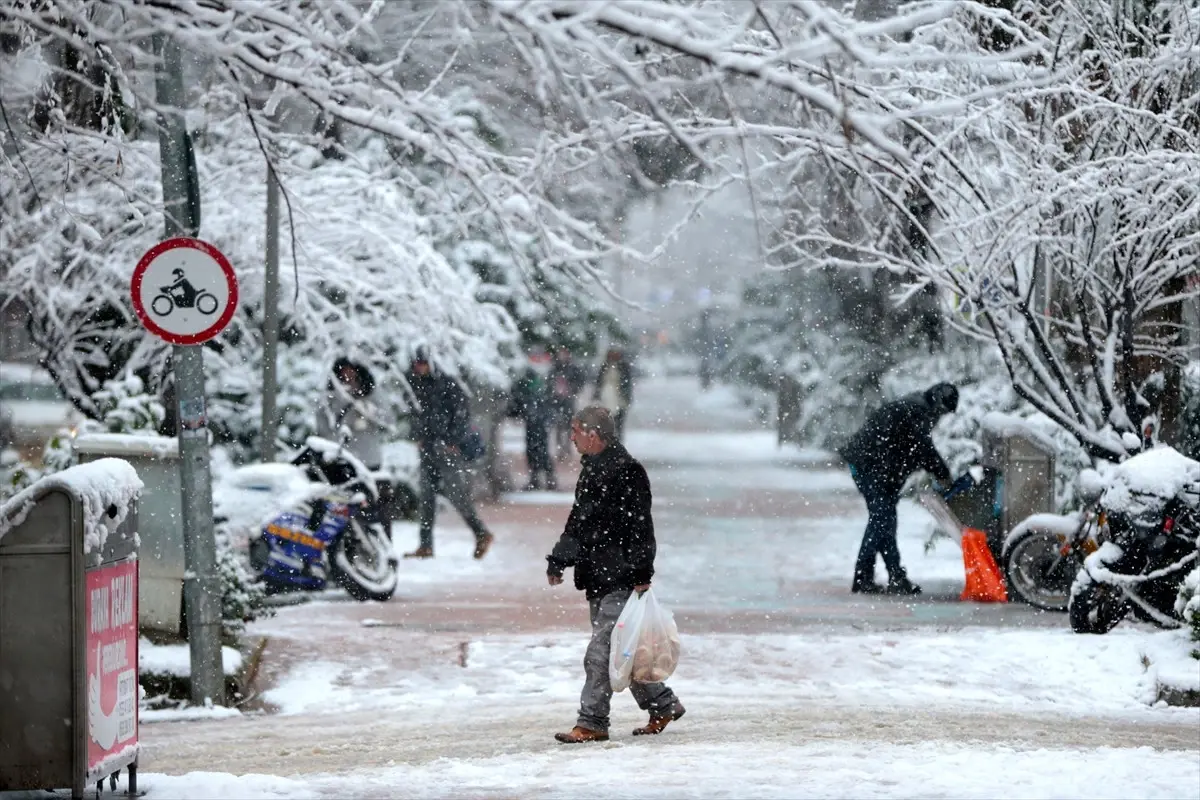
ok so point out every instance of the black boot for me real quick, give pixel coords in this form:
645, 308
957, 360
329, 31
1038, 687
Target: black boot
865, 584
902, 585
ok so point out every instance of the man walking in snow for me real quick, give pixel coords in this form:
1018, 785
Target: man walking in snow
894, 442
609, 540
440, 427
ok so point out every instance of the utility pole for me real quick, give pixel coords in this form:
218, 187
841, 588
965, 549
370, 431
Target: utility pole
270, 381
202, 585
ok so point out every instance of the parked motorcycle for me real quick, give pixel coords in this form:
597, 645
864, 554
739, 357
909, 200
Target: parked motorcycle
1152, 506
1044, 553
327, 526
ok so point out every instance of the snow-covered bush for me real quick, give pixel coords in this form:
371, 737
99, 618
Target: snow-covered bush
16, 475
242, 598
124, 406
1187, 605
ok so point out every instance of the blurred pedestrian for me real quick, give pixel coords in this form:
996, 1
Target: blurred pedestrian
441, 426
532, 395
566, 382
609, 540
346, 413
895, 442
614, 388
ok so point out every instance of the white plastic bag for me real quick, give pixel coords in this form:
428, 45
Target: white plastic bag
645, 643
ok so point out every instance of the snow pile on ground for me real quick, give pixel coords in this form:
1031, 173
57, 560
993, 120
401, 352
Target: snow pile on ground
176, 660
185, 714
1170, 660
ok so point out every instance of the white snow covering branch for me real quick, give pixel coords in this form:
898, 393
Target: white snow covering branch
106, 488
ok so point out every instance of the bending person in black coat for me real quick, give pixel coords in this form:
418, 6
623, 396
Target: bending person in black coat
609, 540
895, 442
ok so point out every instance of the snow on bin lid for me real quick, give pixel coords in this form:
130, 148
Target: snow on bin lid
127, 444
107, 483
1006, 425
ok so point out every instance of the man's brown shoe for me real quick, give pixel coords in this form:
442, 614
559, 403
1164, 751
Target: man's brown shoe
578, 735
657, 724
483, 544
420, 552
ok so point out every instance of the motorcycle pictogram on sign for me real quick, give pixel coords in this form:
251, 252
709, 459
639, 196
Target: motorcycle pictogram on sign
182, 294
184, 291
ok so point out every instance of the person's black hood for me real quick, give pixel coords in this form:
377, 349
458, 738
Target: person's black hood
942, 398
366, 381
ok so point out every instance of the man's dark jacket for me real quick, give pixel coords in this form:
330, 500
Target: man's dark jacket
897, 440
609, 536
443, 414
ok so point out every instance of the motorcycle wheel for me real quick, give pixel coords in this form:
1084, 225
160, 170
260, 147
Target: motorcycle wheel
1037, 574
1097, 607
162, 305
206, 303
362, 563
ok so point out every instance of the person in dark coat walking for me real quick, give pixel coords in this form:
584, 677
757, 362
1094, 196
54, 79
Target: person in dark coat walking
440, 427
609, 540
614, 388
531, 393
895, 442
566, 382
346, 414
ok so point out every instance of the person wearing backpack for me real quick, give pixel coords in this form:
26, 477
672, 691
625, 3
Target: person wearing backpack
609, 541
441, 427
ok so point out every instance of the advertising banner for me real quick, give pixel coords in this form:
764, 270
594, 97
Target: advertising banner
112, 663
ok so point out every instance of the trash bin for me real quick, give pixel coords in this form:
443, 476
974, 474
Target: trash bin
160, 521
1024, 475
68, 630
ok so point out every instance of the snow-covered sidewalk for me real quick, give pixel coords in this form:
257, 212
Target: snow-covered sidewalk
794, 687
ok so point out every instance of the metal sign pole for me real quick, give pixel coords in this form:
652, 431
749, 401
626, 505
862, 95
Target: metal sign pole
270, 414
202, 585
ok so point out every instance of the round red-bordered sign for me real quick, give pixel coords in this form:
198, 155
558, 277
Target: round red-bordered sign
184, 291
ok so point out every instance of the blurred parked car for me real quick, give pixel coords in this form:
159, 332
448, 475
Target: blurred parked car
32, 409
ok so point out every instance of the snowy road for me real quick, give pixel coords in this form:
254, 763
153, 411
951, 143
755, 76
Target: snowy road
794, 687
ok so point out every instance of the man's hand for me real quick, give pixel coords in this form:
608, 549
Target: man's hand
554, 580
642, 589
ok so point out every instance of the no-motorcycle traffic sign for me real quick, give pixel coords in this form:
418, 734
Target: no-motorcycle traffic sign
184, 291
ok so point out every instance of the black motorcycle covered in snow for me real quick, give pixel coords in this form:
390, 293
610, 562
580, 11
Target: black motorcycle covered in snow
1043, 554
1152, 506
